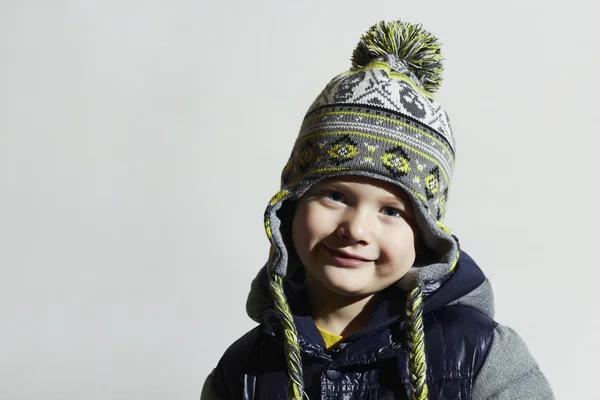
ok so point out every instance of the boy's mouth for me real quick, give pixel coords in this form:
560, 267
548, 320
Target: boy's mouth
346, 257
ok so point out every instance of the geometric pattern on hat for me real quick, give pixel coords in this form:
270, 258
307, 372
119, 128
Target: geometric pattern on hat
343, 138
379, 85
354, 151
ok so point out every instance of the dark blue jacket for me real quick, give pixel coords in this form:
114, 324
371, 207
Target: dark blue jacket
372, 363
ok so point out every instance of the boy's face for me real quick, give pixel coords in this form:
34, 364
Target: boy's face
354, 235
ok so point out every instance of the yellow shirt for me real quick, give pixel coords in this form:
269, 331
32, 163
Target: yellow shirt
329, 338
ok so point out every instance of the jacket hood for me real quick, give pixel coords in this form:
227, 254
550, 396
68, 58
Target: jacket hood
467, 285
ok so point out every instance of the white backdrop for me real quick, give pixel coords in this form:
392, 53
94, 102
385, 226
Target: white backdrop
141, 140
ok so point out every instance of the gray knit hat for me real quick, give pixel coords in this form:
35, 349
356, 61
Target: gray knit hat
379, 120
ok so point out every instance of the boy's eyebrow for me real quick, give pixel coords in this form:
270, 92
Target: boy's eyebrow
393, 199
331, 185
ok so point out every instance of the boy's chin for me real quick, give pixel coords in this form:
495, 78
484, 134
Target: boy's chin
347, 282
350, 289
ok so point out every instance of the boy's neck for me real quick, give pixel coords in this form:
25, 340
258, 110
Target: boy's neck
338, 314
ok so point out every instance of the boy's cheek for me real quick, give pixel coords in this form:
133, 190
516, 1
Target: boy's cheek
312, 219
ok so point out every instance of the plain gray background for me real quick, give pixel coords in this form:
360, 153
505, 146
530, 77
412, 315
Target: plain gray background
140, 142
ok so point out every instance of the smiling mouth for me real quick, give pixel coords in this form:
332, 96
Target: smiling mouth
346, 258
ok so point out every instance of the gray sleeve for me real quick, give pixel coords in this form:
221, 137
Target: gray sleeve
208, 392
509, 372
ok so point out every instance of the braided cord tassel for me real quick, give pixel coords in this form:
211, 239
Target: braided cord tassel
292, 348
417, 365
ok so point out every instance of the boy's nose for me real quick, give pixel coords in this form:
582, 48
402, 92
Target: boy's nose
355, 227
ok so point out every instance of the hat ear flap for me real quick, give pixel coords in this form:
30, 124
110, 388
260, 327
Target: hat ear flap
286, 215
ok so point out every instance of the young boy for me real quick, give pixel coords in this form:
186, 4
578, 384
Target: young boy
366, 294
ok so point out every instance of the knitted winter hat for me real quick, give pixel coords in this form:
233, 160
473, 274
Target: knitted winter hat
378, 120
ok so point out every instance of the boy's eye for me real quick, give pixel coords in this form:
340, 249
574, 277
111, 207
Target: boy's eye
335, 196
391, 211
